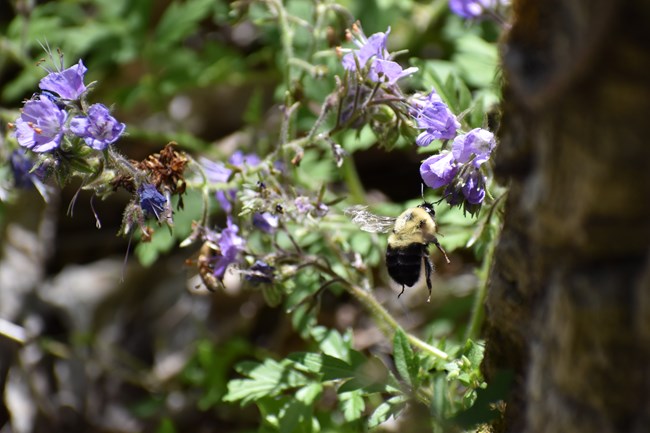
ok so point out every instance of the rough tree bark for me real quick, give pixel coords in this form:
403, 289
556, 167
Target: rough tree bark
568, 309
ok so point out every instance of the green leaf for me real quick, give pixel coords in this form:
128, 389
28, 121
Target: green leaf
474, 353
329, 367
352, 404
309, 394
331, 342
353, 141
371, 376
405, 359
265, 380
161, 242
295, 417
477, 60
439, 401
393, 406
483, 410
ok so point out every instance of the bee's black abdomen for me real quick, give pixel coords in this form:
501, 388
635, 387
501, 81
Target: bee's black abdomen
404, 264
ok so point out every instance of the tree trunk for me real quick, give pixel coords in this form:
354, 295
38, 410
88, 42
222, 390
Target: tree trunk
568, 309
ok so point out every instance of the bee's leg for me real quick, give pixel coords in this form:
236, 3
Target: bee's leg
428, 270
437, 244
400, 293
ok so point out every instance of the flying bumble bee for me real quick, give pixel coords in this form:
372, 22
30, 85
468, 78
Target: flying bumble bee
411, 233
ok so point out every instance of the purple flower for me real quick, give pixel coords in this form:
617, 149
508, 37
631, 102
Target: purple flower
470, 8
230, 245
374, 46
68, 84
389, 71
239, 159
152, 202
478, 143
260, 272
21, 167
216, 172
40, 125
303, 204
434, 117
474, 187
99, 129
266, 222
438, 170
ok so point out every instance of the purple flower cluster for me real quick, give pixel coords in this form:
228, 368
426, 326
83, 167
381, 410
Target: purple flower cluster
458, 169
371, 53
434, 119
47, 118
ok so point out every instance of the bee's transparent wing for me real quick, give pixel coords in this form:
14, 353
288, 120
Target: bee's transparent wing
368, 221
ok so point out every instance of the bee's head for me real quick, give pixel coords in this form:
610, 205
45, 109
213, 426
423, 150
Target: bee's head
428, 207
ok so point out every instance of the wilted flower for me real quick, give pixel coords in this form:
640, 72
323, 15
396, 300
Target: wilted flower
40, 125
266, 222
438, 170
435, 118
99, 129
230, 244
478, 143
471, 8
152, 202
68, 84
260, 272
